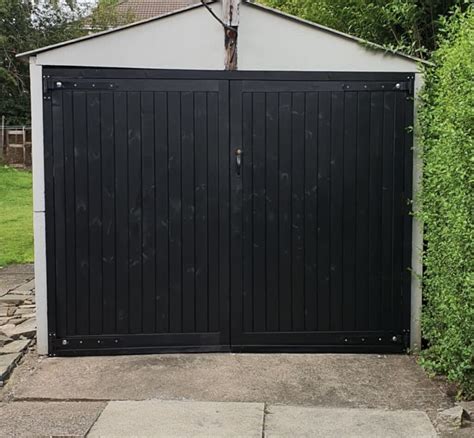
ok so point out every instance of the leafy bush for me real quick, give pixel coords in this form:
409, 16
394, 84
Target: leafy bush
409, 26
447, 125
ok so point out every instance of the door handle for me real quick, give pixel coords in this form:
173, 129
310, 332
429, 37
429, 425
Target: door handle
238, 160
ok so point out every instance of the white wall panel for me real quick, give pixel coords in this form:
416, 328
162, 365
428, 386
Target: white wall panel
268, 41
188, 40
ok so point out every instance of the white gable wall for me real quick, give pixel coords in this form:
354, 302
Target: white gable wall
269, 41
190, 40
194, 40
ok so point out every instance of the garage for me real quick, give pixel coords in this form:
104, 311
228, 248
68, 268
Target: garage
196, 195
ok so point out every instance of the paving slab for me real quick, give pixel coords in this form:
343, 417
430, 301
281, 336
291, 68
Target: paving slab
289, 421
179, 418
12, 299
7, 362
4, 339
15, 346
26, 287
28, 419
10, 282
326, 380
26, 329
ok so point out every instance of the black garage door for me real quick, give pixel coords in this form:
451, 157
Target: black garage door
205, 211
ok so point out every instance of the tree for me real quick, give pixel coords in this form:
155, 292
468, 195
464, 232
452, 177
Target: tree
25, 25
410, 26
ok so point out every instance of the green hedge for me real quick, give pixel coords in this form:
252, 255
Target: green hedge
447, 197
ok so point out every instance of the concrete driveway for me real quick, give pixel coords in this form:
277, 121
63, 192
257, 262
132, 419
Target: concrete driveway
221, 395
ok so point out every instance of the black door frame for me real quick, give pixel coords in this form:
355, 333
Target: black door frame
141, 343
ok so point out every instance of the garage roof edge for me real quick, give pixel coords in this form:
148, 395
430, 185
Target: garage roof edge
109, 31
312, 24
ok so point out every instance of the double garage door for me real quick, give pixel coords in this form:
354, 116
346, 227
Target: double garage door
218, 211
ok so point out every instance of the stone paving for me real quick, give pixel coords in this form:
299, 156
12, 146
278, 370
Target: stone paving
17, 315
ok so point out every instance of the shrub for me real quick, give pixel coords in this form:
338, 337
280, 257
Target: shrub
447, 197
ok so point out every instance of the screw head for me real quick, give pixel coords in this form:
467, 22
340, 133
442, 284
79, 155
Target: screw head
65, 342
397, 86
394, 339
59, 84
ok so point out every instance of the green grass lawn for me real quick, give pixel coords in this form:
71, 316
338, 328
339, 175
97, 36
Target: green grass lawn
16, 216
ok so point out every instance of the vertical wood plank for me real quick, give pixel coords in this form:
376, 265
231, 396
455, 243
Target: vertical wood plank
362, 222
324, 209
387, 208
375, 201
82, 212
258, 213
108, 211
59, 212
188, 210
247, 213
337, 208
201, 219
349, 219
148, 211
175, 211
224, 209
271, 186
135, 212
95, 211
162, 163
311, 211
49, 213
236, 208
213, 211
298, 211
121, 212
70, 211
285, 182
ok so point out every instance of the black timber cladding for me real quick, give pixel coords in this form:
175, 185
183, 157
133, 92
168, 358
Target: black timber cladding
156, 243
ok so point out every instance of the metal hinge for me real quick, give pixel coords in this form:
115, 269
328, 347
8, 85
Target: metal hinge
51, 339
80, 85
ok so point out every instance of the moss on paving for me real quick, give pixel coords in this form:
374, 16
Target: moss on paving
16, 216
